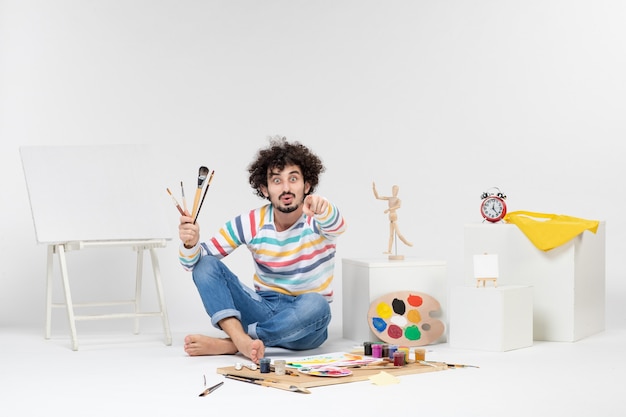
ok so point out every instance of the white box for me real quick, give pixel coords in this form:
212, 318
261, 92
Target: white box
568, 281
494, 318
365, 280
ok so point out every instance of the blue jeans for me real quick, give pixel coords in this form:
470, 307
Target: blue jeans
280, 320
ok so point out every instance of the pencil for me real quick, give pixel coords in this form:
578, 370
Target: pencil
210, 389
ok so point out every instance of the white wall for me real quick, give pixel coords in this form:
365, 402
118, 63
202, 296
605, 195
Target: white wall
444, 99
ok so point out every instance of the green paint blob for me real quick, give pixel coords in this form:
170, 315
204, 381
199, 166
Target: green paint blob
412, 333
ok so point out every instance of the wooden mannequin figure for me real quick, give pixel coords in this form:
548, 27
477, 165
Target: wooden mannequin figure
394, 204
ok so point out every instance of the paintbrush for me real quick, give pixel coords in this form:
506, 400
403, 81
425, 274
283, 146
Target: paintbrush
208, 184
202, 173
176, 203
449, 365
182, 193
458, 365
269, 383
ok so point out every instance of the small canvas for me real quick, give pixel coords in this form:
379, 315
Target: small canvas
486, 266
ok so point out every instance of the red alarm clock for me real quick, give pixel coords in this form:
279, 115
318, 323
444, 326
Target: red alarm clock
493, 206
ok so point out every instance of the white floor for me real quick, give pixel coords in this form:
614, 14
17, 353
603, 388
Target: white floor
124, 374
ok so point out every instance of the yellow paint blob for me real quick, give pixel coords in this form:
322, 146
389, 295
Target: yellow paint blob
384, 310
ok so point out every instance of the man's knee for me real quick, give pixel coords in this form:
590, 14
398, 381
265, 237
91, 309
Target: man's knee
206, 269
316, 305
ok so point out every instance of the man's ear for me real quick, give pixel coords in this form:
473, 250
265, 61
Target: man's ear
307, 188
264, 191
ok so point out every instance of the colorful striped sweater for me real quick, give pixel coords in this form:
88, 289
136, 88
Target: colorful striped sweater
298, 260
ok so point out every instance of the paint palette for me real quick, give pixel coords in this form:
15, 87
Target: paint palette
406, 318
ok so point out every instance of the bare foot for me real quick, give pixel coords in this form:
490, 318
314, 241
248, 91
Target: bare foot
257, 350
200, 345
254, 349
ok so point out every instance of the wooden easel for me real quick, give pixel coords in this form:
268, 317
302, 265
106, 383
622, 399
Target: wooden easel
96, 197
483, 281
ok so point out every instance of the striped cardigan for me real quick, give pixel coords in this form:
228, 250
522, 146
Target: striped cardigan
295, 261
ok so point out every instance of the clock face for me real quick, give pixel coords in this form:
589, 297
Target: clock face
493, 209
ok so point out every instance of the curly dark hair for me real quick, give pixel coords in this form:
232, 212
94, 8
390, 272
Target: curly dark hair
279, 153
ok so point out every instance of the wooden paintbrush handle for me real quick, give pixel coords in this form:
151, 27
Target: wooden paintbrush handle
269, 383
196, 202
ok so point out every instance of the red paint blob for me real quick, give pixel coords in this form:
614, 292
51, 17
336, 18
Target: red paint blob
415, 300
394, 331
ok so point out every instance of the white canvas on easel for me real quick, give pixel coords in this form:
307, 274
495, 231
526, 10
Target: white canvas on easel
97, 196
486, 268
86, 193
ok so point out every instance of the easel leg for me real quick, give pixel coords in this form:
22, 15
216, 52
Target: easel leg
49, 274
138, 285
159, 287
68, 296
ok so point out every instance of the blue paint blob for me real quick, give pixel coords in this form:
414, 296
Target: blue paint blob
379, 324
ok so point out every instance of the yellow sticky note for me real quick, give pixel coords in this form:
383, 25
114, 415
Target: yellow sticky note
384, 378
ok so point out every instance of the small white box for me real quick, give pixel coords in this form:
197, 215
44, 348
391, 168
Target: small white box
568, 281
493, 319
365, 280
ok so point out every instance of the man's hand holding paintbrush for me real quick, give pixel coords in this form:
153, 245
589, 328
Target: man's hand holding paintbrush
188, 231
